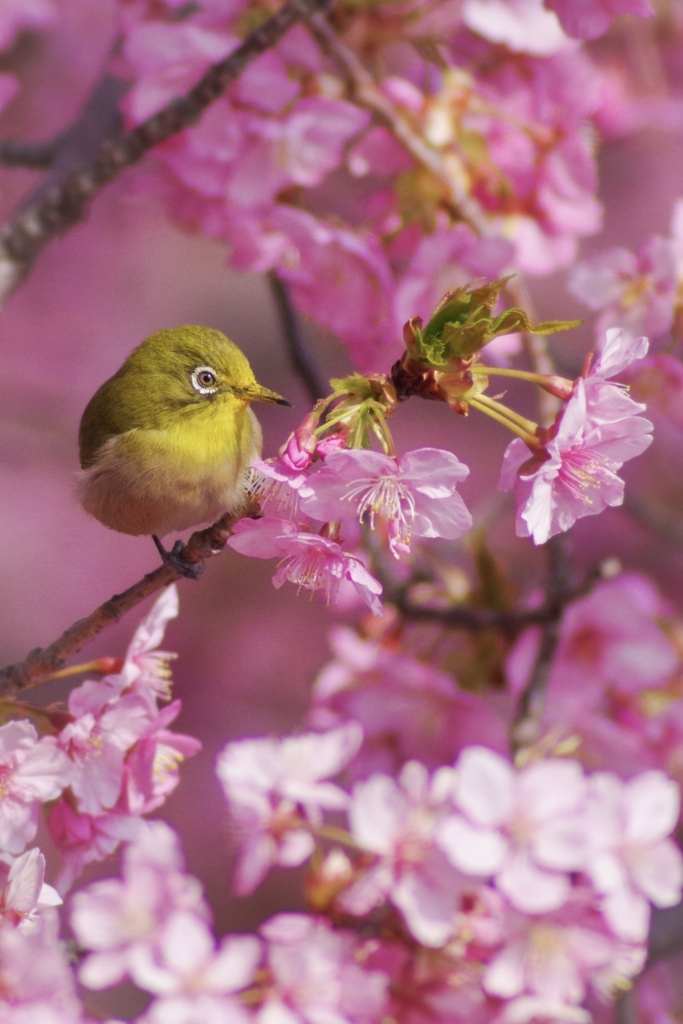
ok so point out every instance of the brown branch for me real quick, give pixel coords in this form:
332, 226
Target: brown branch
656, 518
42, 662
299, 356
526, 724
97, 124
36, 155
65, 204
477, 620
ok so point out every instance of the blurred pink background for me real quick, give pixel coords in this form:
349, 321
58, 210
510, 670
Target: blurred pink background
247, 653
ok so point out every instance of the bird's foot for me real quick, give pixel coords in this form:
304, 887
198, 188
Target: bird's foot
174, 560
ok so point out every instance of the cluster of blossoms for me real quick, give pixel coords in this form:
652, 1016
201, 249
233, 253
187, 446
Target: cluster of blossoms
613, 698
525, 890
325, 476
103, 762
642, 292
463, 171
457, 886
515, 894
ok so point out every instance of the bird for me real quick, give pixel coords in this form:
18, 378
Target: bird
166, 442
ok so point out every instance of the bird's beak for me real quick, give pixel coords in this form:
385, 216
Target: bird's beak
256, 393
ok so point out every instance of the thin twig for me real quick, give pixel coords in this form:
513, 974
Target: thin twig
665, 523
98, 122
477, 620
42, 662
23, 238
526, 724
36, 155
299, 355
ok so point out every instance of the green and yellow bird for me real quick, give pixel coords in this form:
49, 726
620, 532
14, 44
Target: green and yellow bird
166, 442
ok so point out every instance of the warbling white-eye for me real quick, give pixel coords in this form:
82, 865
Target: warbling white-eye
167, 441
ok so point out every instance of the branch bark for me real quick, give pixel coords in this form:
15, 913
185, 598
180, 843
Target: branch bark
43, 661
526, 724
299, 356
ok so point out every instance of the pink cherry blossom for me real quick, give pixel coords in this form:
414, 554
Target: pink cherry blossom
618, 351
575, 475
25, 893
295, 767
527, 829
587, 19
184, 963
38, 984
198, 1008
413, 495
546, 964
84, 838
610, 642
307, 559
658, 380
612, 691
407, 708
317, 973
522, 25
397, 821
267, 833
151, 767
146, 670
118, 921
169, 59
636, 292
97, 739
309, 143
276, 789
633, 861
529, 119
277, 483
33, 771
343, 279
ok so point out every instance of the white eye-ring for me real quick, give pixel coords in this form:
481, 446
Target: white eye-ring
204, 380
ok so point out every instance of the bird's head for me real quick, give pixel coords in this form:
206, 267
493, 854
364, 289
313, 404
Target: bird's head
189, 366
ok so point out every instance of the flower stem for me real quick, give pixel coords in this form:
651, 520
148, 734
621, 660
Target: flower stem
560, 387
520, 425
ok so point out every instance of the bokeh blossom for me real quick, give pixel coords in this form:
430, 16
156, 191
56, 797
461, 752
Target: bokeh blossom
34, 770
408, 709
276, 790
587, 20
633, 291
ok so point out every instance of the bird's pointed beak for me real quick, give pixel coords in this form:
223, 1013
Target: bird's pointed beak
256, 393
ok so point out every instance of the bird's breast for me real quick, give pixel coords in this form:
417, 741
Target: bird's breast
162, 480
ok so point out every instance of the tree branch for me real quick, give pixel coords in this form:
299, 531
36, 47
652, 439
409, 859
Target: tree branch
42, 662
299, 356
65, 204
526, 724
476, 620
36, 155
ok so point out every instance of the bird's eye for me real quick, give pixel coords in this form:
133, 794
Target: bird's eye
204, 380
